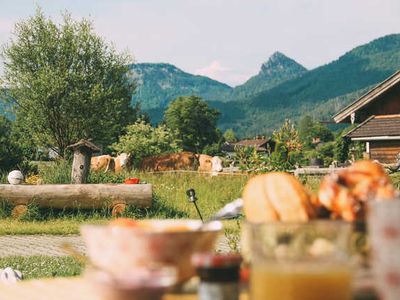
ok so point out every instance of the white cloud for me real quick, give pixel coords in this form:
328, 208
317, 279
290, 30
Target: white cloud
216, 70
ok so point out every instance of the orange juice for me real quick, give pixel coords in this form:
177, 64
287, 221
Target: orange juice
300, 282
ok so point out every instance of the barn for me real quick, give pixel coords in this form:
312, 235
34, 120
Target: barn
377, 114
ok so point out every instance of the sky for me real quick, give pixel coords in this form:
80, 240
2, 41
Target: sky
227, 40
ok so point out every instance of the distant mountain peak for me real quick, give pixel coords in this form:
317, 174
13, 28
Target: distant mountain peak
279, 62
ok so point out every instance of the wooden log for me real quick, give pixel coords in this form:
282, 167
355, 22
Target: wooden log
78, 195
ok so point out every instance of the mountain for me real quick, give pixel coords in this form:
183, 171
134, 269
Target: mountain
320, 92
160, 83
277, 69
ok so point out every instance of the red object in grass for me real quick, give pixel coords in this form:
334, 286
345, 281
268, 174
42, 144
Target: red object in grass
244, 274
131, 181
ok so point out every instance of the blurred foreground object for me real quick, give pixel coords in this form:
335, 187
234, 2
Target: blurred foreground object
276, 196
346, 192
8, 275
219, 275
384, 231
300, 261
122, 245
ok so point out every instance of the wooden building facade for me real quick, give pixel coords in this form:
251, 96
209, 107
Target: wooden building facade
377, 114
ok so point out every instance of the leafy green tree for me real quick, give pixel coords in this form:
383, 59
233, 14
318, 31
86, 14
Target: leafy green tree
311, 131
10, 154
141, 140
194, 122
67, 82
230, 136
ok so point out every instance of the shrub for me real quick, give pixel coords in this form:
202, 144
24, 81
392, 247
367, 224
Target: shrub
141, 140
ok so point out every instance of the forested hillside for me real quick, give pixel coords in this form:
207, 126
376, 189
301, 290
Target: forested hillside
277, 69
320, 92
282, 89
159, 84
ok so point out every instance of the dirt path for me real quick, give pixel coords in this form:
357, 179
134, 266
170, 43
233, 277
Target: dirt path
50, 245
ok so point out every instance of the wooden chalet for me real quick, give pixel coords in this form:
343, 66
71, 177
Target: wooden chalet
263, 145
377, 114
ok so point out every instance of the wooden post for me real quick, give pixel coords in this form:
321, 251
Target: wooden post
81, 164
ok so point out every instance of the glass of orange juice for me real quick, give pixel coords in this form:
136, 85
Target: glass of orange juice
291, 261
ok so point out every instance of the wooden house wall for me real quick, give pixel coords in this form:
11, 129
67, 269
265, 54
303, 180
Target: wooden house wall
384, 151
388, 105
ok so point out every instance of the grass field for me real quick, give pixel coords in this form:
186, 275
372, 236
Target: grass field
169, 201
43, 266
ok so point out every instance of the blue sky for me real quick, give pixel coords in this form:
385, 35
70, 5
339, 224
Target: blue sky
227, 40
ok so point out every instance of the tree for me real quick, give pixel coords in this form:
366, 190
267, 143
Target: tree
141, 139
10, 154
311, 130
230, 136
194, 122
67, 83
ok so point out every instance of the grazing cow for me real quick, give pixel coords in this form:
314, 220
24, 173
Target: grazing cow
102, 163
122, 162
209, 163
182, 161
106, 163
170, 161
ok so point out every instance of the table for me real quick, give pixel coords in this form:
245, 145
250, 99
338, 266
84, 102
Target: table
64, 289
77, 289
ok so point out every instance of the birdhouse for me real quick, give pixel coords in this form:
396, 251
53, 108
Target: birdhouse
81, 163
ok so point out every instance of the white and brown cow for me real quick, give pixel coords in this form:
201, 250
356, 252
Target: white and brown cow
105, 163
209, 163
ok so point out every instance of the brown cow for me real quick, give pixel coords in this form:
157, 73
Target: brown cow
182, 161
102, 163
170, 161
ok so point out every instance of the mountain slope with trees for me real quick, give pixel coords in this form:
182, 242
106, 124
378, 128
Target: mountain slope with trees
340, 82
159, 84
276, 70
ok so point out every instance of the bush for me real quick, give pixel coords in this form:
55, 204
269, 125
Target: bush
142, 140
10, 153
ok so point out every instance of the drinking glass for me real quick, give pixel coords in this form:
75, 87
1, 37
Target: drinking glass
384, 232
293, 261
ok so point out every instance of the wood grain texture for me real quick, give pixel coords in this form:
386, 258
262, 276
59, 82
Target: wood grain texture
78, 195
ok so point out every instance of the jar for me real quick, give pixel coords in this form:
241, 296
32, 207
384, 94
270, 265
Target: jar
219, 275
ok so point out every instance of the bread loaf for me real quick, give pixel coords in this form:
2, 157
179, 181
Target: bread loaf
276, 196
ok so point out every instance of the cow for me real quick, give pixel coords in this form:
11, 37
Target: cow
107, 163
182, 161
102, 163
209, 163
122, 162
171, 161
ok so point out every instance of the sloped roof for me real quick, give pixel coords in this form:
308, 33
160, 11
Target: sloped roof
377, 126
260, 144
368, 97
84, 143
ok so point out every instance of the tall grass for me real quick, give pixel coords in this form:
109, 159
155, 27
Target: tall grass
169, 199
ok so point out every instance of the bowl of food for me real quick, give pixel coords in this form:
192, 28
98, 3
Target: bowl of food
126, 244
